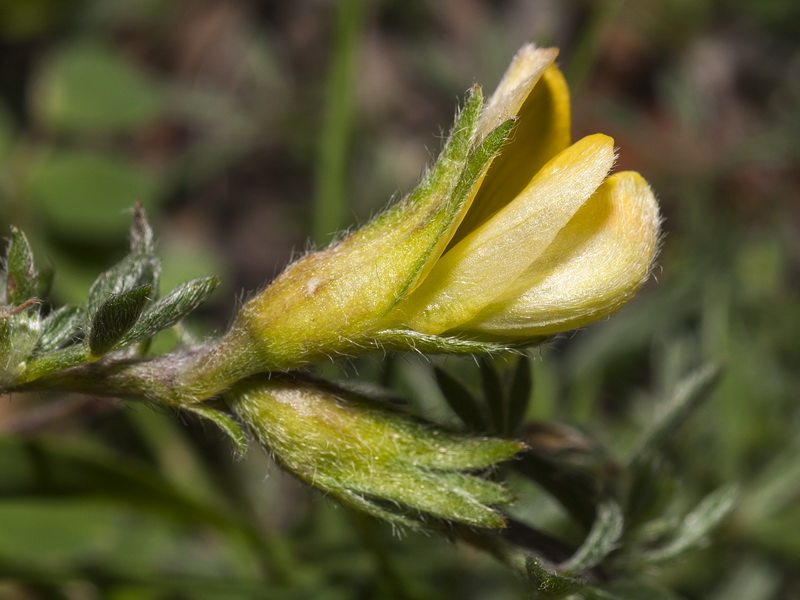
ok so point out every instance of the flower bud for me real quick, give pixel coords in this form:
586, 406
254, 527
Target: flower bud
370, 456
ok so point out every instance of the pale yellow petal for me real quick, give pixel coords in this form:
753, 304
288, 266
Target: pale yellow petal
595, 265
490, 259
541, 132
517, 82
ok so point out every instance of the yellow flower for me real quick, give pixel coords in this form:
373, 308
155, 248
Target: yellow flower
514, 234
550, 242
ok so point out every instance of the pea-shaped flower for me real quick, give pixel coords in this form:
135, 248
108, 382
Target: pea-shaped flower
514, 234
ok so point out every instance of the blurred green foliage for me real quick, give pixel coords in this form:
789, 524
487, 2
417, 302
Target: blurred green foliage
217, 116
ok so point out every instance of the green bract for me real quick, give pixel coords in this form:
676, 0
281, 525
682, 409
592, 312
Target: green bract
370, 456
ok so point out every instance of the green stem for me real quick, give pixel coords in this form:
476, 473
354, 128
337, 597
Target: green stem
177, 379
585, 52
330, 198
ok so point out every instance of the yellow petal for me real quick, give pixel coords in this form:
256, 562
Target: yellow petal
522, 74
490, 259
541, 132
595, 265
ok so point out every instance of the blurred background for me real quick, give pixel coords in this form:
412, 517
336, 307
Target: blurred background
247, 128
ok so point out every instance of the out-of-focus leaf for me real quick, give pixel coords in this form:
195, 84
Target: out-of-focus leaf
87, 195
35, 468
564, 464
519, 394
7, 132
753, 579
115, 317
183, 260
460, 400
30, 19
689, 395
52, 541
694, 528
90, 88
652, 485
776, 487
59, 327
627, 591
21, 277
780, 533
172, 308
602, 538
549, 585
42, 531
494, 393
44, 283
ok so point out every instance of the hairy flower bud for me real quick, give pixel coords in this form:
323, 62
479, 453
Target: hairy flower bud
370, 456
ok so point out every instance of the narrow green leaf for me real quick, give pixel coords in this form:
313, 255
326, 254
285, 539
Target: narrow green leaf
696, 525
776, 487
574, 488
115, 317
461, 401
330, 198
549, 585
519, 394
224, 422
57, 360
690, 393
602, 539
652, 485
21, 276
172, 308
494, 394
60, 327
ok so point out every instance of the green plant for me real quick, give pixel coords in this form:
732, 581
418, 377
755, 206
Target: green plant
434, 273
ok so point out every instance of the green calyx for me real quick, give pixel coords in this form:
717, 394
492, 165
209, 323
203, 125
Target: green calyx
371, 456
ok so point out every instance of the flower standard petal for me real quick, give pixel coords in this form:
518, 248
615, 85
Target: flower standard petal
595, 265
521, 76
542, 131
484, 264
